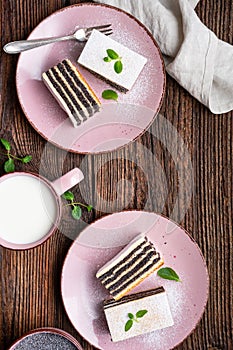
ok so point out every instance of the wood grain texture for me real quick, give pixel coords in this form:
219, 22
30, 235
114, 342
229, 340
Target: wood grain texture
30, 280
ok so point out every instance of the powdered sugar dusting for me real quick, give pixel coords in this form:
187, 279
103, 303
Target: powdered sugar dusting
177, 301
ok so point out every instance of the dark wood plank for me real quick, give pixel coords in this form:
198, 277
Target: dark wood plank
30, 280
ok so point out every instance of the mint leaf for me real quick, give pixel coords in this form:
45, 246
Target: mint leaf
169, 274
128, 325
118, 67
26, 159
9, 166
141, 313
112, 54
110, 95
6, 144
77, 212
107, 59
68, 195
89, 208
131, 316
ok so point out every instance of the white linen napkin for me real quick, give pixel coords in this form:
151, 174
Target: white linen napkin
194, 56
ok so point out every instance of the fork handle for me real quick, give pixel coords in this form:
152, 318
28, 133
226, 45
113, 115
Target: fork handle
24, 45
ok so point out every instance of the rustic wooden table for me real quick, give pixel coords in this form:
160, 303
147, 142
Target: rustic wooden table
30, 280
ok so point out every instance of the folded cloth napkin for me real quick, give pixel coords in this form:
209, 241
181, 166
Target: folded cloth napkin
194, 56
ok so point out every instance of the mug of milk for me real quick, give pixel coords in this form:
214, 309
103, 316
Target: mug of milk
30, 207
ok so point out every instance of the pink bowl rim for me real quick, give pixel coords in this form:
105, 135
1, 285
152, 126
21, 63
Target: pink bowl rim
27, 246
155, 112
52, 330
165, 217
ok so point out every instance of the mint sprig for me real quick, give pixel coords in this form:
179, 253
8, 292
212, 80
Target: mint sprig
26, 159
9, 165
110, 95
118, 67
132, 319
128, 325
141, 313
169, 274
114, 56
6, 144
76, 211
107, 59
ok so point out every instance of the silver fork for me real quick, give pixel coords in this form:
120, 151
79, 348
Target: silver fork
81, 34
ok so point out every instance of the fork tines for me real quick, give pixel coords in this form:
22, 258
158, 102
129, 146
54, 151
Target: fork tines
105, 29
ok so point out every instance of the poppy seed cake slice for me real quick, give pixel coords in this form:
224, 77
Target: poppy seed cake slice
130, 267
71, 91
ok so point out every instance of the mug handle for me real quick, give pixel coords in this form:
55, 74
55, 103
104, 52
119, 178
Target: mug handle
65, 182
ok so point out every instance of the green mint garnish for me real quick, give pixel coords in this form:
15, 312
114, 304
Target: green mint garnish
68, 195
118, 67
9, 165
141, 313
107, 59
113, 56
110, 95
128, 325
169, 274
76, 211
89, 208
6, 144
132, 319
26, 159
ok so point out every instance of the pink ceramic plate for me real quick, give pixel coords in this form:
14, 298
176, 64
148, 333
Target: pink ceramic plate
83, 294
117, 124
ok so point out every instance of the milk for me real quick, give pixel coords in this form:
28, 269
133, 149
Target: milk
28, 209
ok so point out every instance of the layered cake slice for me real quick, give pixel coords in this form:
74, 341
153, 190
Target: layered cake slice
130, 267
138, 314
101, 54
71, 91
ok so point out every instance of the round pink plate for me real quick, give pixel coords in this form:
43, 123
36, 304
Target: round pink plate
118, 123
83, 294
